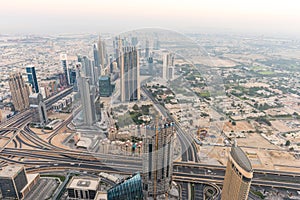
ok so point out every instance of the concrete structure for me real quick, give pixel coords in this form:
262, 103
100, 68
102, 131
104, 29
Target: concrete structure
87, 100
101, 53
64, 64
96, 55
15, 183
147, 50
19, 92
168, 62
171, 72
87, 68
150, 66
238, 176
84, 188
165, 66
129, 74
87, 97
32, 79
38, 106
158, 159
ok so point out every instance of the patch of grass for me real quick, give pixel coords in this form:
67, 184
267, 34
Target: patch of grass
62, 178
266, 73
258, 193
257, 68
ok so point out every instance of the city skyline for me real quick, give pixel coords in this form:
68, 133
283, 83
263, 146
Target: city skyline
150, 113
46, 17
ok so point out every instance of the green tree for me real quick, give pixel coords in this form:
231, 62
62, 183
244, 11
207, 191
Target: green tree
135, 107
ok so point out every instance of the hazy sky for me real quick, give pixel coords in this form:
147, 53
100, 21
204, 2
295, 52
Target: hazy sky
60, 16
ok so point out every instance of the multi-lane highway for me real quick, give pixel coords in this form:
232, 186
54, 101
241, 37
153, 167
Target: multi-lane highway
49, 160
44, 156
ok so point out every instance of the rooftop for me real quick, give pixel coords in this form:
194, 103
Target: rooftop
86, 183
10, 171
241, 158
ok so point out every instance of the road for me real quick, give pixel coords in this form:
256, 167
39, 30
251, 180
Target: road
188, 147
47, 157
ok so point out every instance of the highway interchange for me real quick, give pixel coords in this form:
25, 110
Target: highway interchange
43, 156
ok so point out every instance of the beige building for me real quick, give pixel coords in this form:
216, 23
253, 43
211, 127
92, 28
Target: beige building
238, 176
19, 92
83, 188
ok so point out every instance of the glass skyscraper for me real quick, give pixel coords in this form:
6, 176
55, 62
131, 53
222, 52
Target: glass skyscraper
129, 189
105, 87
31, 74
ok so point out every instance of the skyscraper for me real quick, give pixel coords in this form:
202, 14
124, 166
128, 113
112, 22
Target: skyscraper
31, 74
171, 72
168, 62
147, 50
129, 74
118, 45
96, 55
39, 108
64, 64
111, 65
101, 52
87, 101
19, 92
72, 73
88, 69
158, 159
129, 189
150, 66
238, 176
165, 66
105, 87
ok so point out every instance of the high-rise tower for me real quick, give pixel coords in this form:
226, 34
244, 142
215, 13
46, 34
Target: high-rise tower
64, 64
147, 50
238, 176
31, 74
19, 92
168, 62
150, 66
129, 74
158, 159
38, 106
101, 52
87, 96
165, 67
88, 69
96, 55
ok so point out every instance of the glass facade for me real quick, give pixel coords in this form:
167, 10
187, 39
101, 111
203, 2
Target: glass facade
105, 87
32, 79
8, 189
11, 187
129, 189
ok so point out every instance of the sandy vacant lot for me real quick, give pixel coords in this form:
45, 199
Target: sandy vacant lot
239, 127
274, 160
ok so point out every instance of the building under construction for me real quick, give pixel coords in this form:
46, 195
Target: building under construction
158, 159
